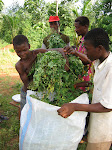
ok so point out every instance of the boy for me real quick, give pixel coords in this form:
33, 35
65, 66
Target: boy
96, 43
23, 66
27, 58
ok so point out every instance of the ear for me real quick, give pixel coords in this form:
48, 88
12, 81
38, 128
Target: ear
100, 47
86, 26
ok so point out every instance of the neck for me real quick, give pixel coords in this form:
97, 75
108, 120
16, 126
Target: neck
104, 56
84, 33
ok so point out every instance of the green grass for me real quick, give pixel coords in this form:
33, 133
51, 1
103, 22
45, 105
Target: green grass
9, 86
3, 43
9, 129
7, 62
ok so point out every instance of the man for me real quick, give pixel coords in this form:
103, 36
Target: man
96, 43
55, 25
81, 28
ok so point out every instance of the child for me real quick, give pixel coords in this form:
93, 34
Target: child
23, 66
96, 43
27, 58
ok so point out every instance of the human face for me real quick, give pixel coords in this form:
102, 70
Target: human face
80, 30
92, 52
22, 50
54, 26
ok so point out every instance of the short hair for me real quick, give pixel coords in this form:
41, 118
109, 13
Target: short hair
20, 39
97, 37
83, 20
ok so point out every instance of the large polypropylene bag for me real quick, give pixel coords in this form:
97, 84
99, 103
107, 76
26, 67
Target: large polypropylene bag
41, 128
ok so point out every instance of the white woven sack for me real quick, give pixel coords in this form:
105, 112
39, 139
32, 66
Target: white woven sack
41, 128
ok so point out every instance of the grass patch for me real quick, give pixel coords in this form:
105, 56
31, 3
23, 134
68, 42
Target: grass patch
7, 62
3, 43
9, 129
9, 86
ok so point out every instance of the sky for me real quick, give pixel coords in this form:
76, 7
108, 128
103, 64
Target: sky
20, 2
8, 3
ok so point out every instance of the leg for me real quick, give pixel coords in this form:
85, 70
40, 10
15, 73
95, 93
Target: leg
99, 146
23, 99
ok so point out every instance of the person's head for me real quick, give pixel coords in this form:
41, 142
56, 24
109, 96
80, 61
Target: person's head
21, 46
81, 25
96, 43
54, 23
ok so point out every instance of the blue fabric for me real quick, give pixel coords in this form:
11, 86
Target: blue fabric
24, 130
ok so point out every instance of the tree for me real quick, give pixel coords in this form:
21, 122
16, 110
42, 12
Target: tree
1, 5
103, 15
37, 9
64, 12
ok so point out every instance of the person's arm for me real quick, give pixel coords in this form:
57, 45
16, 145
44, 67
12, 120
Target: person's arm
40, 50
23, 76
82, 84
83, 57
67, 109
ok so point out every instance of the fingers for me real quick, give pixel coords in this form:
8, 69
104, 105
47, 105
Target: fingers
68, 50
63, 111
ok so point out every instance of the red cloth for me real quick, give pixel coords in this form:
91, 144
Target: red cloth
53, 18
82, 49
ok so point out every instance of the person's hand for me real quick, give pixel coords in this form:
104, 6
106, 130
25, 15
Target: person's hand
82, 84
66, 110
69, 50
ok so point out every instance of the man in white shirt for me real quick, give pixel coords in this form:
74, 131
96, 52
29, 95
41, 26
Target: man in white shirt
96, 43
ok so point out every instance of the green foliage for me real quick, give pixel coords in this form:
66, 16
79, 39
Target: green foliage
103, 18
50, 76
55, 41
36, 8
65, 13
32, 19
1, 5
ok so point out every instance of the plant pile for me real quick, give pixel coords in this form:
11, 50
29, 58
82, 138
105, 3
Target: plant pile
55, 41
49, 75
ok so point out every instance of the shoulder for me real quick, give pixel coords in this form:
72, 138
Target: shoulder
19, 66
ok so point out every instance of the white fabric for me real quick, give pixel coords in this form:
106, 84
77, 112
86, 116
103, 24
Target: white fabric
41, 128
43, 46
100, 128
